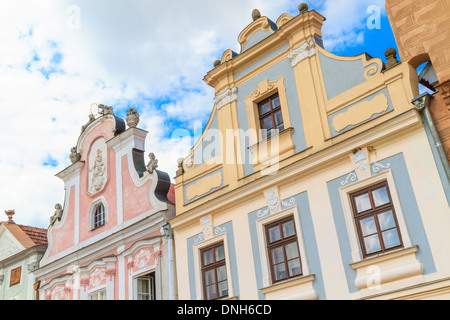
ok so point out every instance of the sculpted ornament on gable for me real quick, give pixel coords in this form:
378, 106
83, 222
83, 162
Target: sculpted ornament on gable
97, 167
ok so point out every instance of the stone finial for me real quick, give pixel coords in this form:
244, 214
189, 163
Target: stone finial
132, 118
391, 56
153, 163
256, 14
217, 63
74, 155
10, 214
104, 110
303, 7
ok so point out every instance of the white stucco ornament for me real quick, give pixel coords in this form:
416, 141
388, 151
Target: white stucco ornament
302, 52
226, 97
97, 167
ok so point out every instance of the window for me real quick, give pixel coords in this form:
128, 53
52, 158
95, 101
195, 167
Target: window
270, 116
15, 276
375, 218
146, 287
282, 247
99, 215
214, 273
98, 295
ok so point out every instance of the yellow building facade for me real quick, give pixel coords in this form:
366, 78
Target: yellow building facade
314, 177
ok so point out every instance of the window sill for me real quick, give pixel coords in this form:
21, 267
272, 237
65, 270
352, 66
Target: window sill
298, 288
387, 267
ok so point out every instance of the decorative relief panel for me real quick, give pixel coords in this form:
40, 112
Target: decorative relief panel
97, 277
302, 52
360, 112
97, 166
208, 229
142, 259
226, 97
204, 185
59, 292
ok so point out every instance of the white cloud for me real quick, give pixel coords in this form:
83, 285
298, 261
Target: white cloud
59, 57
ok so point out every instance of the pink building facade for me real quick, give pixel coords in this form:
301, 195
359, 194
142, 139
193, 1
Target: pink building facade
111, 239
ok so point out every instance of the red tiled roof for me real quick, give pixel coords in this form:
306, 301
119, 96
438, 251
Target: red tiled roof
38, 235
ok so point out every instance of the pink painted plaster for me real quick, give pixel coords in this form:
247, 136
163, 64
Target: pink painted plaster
136, 201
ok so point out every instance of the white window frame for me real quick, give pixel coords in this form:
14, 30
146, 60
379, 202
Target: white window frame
198, 264
97, 292
135, 284
357, 251
92, 210
262, 243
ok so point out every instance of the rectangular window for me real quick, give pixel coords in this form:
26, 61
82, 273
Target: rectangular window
270, 116
146, 287
98, 295
15, 276
375, 219
214, 272
282, 247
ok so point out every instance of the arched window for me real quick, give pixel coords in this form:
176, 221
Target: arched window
98, 214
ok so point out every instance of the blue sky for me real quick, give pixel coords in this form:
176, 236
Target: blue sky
59, 57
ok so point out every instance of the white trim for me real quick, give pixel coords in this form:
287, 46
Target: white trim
262, 243
198, 264
357, 253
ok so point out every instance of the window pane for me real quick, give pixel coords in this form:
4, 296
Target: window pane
274, 234
291, 251
220, 254
390, 238
143, 296
210, 277
275, 102
211, 292
294, 267
142, 286
223, 288
386, 220
267, 123
221, 273
279, 271
277, 255
278, 117
280, 127
264, 108
208, 257
288, 229
372, 244
363, 202
380, 196
368, 226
